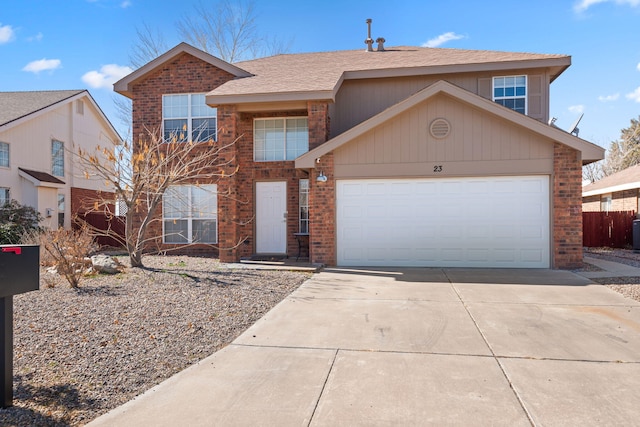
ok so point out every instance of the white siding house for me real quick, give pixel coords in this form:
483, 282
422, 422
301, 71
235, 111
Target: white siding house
38, 133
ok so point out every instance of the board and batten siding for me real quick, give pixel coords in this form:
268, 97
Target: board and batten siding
359, 100
479, 143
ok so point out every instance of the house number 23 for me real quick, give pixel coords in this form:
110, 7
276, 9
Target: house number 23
437, 168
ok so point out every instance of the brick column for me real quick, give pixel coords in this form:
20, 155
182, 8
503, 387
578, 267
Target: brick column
322, 213
318, 123
322, 198
228, 232
567, 207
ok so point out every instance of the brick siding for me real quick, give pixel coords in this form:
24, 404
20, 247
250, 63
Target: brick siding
626, 200
184, 74
567, 207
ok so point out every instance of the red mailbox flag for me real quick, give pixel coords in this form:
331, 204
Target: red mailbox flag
16, 251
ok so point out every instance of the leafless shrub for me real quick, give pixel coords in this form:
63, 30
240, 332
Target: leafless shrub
65, 251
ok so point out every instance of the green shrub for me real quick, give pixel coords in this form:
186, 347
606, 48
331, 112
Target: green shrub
17, 220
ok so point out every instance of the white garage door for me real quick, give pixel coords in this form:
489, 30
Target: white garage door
463, 222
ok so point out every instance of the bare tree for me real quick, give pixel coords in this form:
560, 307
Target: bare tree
224, 29
592, 172
155, 166
229, 31
149, 45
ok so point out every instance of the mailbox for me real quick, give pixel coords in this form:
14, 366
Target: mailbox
19, 273
19, 269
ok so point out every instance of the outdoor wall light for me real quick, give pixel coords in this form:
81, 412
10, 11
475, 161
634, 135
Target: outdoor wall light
321, 177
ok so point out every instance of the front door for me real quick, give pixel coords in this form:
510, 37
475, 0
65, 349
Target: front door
271, 217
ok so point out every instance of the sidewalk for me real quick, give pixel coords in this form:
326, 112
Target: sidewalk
611, 269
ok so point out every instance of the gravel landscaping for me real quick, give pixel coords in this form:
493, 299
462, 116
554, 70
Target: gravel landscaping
81, 352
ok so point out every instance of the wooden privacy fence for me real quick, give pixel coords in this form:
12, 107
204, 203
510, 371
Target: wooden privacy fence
101, 223
608, 229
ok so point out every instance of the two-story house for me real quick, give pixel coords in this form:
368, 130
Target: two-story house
39, 132
403, 156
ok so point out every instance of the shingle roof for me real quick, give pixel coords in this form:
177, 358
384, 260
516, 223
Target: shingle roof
323, 71
626, 179
15, 105
42, 176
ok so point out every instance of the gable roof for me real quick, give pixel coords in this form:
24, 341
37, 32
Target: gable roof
626, 179
590, 152
16, 105
318, 76
123, 86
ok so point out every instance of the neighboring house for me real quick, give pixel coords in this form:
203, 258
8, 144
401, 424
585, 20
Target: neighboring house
617, 192
38, 132
404, 157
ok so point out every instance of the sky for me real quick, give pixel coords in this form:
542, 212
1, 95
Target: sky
86, 44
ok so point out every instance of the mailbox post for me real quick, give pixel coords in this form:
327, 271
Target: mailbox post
19, 273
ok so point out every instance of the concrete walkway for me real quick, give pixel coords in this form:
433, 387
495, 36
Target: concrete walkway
417, 347
610, 269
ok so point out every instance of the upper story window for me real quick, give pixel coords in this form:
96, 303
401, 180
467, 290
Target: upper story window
511, 92
186, 117
4, 154
280, 139
57, 158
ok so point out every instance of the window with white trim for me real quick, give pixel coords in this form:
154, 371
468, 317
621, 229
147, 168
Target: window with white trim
57, 158
187, 117
190, 214
511, 92
280, 138
5, 196
303, 202
4, 154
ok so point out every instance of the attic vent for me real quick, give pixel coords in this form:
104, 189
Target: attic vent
79, 106
440, 128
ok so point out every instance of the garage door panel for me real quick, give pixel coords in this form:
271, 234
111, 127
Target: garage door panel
474, 222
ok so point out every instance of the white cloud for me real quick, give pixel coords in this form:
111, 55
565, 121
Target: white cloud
125, 4
635, 95
577, 108
106, 77
42, 65
583, 5
638, 66
609, 98
442, 39
6, 34
35, 38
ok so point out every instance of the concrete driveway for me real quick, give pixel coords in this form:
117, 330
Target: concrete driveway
417, 347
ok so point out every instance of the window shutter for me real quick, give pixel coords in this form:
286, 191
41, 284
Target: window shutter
484, 88
536, 97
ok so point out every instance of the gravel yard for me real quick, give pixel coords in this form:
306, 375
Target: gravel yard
81, 352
